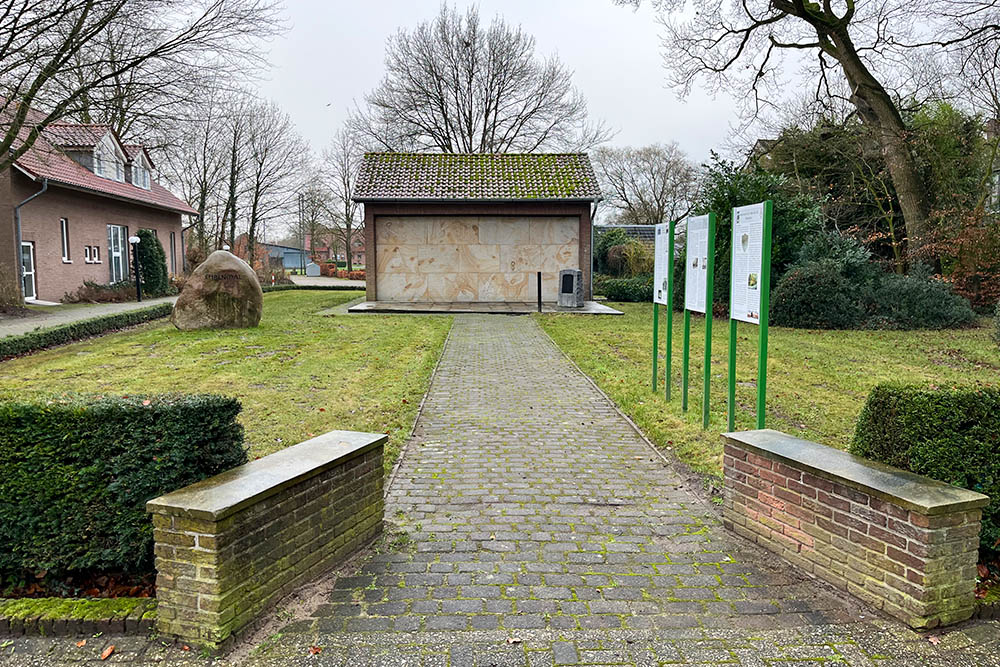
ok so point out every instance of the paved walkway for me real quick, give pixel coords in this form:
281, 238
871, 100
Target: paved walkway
319, 281
56, 315
533, 526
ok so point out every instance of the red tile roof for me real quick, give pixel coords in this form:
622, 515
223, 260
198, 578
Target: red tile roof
45, 160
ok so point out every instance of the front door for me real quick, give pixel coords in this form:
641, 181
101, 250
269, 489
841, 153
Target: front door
117, 253
28, 269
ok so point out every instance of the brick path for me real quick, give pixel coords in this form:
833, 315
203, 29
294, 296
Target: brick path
534, 527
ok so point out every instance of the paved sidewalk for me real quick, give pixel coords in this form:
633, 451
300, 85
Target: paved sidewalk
535, 527
319, 281
57, 315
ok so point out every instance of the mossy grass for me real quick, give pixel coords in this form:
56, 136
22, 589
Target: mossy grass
297, 375
818, 381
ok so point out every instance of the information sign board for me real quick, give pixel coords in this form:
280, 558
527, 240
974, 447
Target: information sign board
696, 264
747, 249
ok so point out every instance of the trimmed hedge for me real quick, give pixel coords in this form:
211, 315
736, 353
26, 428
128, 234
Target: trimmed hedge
78, 470
33, 341
636, 290
952, 435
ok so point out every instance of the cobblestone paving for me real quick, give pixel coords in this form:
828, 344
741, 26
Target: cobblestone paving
532, 526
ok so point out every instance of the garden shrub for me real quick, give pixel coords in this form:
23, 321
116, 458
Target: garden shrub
78, 471
952, 435
152, 264
13, 346
919, 301
637, 290
605, 241
816, 295
91, 292
638, 258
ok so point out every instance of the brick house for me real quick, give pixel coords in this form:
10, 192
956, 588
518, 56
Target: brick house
475, 228
72, 201
324, 250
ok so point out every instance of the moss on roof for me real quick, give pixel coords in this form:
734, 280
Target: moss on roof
476, 176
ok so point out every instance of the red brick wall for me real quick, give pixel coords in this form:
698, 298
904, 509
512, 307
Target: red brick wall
89, 216
918, 568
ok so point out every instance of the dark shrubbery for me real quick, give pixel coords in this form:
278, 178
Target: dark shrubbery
952, 435
919, 301
816, 295
91, 292
13, 346
604, 242
835, 285
77, 472
152, 264
637, 290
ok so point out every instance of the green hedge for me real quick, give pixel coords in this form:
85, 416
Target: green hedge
952, 435
636, 290
78, 470
13, 346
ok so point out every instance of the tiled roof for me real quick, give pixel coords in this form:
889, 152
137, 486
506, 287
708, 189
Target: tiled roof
75, 135
646, 233
476, 177
45, 160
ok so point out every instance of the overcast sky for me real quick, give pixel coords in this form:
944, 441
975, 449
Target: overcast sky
333, 54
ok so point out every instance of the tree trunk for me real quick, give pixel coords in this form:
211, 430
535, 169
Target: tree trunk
877, 110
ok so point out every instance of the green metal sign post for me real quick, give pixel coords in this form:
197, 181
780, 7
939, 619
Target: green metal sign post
668, 371
656, 339
709, 295
685, 358
750, 295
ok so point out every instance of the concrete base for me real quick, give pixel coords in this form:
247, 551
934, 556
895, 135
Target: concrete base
508, 307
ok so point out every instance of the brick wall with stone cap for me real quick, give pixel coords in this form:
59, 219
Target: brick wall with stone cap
903, 543
230, 546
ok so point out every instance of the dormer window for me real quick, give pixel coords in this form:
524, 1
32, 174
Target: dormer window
140, 175
108, 161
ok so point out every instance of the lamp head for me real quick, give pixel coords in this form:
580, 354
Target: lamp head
133, 239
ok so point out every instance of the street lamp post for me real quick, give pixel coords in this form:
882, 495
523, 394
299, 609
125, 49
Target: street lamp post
134, 241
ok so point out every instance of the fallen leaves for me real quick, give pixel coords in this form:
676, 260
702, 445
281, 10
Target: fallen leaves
934, 639
315, 650
514, 640
106, 653
81, 643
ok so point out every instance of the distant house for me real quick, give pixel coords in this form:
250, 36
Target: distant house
644, 233
73, 200
286, 256
323, 251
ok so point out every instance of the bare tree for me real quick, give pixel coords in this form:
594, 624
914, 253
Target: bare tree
646, 185
275, 156
456, 86
314, 202
740, 45
342, 159
64, 55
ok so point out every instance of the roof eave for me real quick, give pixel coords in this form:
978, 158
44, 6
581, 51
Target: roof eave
130, 200
449, 200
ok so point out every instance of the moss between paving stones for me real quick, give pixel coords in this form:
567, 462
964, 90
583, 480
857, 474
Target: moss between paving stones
71, 616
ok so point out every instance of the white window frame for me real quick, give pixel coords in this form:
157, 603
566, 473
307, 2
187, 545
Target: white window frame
95, 254
109, 161
86, 255
64, 236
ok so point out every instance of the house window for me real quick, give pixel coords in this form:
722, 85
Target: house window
86, 255
64, 232
140, 176
95, 254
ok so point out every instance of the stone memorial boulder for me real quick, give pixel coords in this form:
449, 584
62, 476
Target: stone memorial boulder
222, 293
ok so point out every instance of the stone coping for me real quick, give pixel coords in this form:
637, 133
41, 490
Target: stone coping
906, 489
225, 494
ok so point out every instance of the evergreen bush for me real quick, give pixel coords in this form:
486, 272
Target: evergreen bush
637, 290
919, 301
78, 470
816, 295
152, 264
952, 435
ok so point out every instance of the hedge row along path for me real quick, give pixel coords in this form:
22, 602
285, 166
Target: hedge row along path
58, 316
533, 526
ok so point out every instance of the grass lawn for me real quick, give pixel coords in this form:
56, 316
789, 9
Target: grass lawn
817, 380
298, 374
